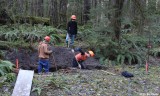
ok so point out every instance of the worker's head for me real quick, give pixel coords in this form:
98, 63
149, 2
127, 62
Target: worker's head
81, 51
91, 53
73, 17
47, 38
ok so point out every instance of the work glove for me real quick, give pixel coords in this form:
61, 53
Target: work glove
72, 50
50, 51
79, 66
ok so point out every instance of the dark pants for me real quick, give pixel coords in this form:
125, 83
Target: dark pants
75, 63
70, 37
43, 63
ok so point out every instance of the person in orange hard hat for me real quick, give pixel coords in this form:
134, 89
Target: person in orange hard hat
81, 57
71, 31
43, 54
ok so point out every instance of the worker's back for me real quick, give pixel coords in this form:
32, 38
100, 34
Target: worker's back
80, 57
42, 48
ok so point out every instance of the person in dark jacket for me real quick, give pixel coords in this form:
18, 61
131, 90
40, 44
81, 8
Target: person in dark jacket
71, 31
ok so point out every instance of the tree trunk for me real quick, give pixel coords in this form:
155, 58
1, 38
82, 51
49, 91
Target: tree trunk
87, 7
117, 16
63, 11
140, 5
40, 8
54, 13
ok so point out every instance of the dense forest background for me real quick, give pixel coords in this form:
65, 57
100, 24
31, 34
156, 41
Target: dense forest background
118, 30
123, 34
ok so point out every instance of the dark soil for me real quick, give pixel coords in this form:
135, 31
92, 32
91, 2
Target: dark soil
28, 59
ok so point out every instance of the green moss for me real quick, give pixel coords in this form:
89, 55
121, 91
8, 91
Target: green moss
32, 20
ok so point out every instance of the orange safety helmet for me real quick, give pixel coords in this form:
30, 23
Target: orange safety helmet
91, 53
47, 38
73, 17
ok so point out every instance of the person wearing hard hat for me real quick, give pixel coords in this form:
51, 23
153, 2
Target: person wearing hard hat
71, 31
81, 57
43, 54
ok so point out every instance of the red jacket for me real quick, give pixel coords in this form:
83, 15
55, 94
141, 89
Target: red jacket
80, 57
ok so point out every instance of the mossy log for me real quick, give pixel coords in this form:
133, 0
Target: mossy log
32, 20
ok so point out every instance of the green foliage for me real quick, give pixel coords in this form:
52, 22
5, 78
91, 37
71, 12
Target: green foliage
29, 34
131, 49
57, 82
1, 54
53, 33
155, 52
10, 77
37, 89
5, 67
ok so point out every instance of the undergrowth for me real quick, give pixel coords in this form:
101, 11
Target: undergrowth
130, 49
29, 34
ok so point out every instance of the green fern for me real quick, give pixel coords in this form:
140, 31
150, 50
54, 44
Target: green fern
29, 34
5, 67
155, 52
37, 89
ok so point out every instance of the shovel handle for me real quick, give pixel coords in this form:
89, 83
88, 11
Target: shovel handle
17, 64
79, 65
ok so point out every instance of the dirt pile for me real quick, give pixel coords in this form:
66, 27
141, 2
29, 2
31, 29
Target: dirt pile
28, 59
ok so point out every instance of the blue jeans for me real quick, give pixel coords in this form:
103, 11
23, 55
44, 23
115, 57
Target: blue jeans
71, 38
43, 63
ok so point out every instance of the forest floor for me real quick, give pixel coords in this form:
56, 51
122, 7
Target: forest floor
76, 82
96, 80
98, 83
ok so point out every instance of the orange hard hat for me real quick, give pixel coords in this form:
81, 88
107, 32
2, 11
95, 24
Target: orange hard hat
47, 38
91, 53
73, 17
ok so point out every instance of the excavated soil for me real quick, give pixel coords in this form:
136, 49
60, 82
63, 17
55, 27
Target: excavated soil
61, 58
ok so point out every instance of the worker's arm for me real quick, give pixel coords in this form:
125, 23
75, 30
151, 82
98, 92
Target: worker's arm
68, 28
88, 55
76, 29
46, 51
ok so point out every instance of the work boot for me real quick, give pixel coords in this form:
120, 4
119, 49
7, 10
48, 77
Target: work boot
67, 45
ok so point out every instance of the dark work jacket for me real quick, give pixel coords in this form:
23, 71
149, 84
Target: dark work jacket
72, 27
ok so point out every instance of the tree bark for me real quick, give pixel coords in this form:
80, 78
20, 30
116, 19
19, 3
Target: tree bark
54, 13
140, 6
63, 11
117, 16
40, 8
87, 7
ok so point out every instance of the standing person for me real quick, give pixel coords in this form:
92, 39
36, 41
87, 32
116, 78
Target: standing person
71, 31
80, 58
43, 54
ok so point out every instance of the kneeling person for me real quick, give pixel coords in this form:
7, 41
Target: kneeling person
80, 58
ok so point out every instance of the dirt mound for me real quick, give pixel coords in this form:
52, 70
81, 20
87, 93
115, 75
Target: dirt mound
28, 59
